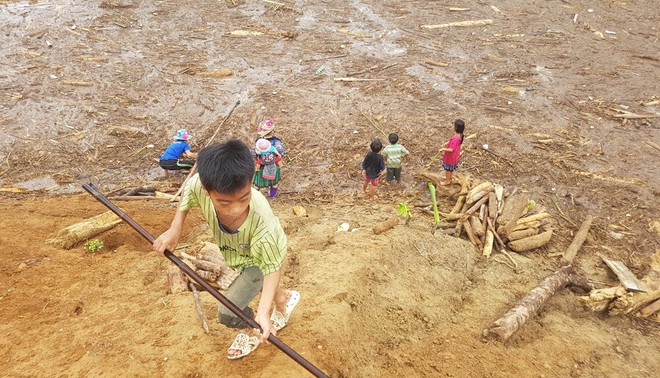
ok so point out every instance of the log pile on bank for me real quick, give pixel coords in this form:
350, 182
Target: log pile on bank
209, 264
493, 219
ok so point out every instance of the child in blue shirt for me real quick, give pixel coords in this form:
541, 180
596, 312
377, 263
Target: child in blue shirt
178, 154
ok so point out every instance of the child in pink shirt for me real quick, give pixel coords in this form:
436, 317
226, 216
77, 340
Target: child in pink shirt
452, 151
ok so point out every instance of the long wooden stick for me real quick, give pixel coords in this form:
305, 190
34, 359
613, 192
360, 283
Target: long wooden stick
200, 312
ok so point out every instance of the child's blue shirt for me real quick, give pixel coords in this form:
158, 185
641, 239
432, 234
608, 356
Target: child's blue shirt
175, 150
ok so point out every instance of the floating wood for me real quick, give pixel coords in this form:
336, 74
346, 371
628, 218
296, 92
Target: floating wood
458, 23
579, 238
386, 225
79, 232
531, 303
625, 276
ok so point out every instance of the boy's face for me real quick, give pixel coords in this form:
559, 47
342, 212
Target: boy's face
232, 208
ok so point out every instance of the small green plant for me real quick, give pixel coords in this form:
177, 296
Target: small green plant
530, 205
403, 211
94, 245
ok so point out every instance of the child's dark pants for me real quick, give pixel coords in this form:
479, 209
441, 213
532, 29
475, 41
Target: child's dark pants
241, 292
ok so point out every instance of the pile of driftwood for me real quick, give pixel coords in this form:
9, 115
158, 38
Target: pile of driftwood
492, 219
208, 263
640, 298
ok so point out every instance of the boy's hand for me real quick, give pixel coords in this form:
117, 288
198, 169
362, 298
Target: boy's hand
266, 326
167, 240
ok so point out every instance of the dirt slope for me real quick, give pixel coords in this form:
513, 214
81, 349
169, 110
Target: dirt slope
568, 106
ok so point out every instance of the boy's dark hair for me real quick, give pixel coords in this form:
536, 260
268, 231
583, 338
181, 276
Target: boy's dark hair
376, 146
393, 138
459, 127
225, 167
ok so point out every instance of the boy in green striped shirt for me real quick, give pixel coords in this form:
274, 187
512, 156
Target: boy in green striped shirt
394, 152
249, 235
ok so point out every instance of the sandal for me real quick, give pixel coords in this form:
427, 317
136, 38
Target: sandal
279, 320
245, 344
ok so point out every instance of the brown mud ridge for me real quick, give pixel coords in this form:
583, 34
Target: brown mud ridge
566, 104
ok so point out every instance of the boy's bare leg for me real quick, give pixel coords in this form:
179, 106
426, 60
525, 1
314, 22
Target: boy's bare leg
373, 192
364, 186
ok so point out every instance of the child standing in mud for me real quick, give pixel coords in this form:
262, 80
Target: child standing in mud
266, 131
452, 151
394, 153
249, 235
373, 167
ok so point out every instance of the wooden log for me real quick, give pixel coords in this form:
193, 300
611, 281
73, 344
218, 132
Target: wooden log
531, 303
178, 281
525, 226
479, 195
198, 306
476, 226
488, 244
532, 218
579, 238
206, 275
459, 204
478, 188
474, 207
386, 225
76, 233
499, 241
459, 225
209, 267
531, 242
140, 189
521, 234
484, 220
513, 208
470, 234
227, 279
451, 217
492, 206
650, 309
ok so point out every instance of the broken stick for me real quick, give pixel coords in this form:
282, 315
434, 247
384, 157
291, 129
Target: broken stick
579, 238
200, 312
384, 226
459, 23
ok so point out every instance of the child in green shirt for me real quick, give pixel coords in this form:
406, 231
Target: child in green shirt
249, 236
394, 153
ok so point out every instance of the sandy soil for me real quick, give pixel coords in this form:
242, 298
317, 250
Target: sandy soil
87, 87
